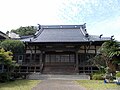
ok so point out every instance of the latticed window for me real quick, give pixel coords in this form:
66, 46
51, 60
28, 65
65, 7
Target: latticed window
60, 58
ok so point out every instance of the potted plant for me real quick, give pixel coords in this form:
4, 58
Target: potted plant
118, 77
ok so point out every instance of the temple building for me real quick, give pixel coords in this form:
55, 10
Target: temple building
60, 49
3, 36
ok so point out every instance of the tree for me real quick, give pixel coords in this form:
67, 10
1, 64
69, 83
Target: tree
7, 64
25, 31
108, 56
14, 46
6, 57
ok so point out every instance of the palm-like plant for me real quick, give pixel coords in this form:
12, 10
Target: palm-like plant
110, 48
108, 57
110, 51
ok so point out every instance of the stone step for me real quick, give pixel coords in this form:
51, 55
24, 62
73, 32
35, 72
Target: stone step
38, 76
59, 70
60, 73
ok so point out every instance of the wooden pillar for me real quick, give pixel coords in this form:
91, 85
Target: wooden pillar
35, 56
41, 60
77, 62
41, 57
34, 69
91, 70
85, 49
2, 67
30, 58
27, 69
95, 50
24, 55
19, 69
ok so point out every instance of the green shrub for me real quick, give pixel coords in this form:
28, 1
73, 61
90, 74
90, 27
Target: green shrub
97, 77
4, 77
118, 74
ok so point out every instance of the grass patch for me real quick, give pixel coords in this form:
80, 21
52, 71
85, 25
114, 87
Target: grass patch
19, 85
98, 85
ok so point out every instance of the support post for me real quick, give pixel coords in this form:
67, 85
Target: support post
34, 69
19, 69
41, 57
35, 56
27, 69
2, 68
95, 50
41, 60
24, 55
77, 63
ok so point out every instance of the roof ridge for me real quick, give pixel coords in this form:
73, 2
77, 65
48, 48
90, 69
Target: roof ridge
61, 26
4, 35
38, 33
85, 33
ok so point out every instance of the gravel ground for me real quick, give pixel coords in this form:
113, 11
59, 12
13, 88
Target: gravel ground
58, 85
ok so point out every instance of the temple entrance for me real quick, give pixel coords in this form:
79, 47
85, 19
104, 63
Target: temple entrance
59, 58
59, 63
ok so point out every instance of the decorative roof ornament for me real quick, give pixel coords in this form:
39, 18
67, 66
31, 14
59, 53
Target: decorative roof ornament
84, 25
112, 37
39, 27
100, 35
86, 35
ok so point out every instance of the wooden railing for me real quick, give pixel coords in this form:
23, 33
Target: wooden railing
25, 68
87, 69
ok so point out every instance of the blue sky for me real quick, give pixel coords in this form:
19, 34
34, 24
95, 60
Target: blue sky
100, 16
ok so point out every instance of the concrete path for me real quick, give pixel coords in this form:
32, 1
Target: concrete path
58, 85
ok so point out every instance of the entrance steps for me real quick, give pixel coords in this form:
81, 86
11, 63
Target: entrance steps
38, 76
65, 70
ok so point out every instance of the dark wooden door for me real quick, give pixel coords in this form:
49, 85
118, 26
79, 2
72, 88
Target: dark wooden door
59, 58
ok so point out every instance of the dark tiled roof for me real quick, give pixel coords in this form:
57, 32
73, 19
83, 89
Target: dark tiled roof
60, 35
97, 38
3, 35
64, 33
24, 37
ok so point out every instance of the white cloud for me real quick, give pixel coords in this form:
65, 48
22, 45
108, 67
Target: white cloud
15, 13
107, 27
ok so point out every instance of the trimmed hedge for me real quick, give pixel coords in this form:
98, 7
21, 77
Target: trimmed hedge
97, 77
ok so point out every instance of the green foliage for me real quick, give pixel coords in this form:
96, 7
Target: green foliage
24, 31
98, 61
14, 46
101, 71
19, 85
118, 74
5, 57
4, 77
110, 49
97, 85
6, 60
108, 56
97, 77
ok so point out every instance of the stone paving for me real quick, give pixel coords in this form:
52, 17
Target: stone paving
58, 85
37, 76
